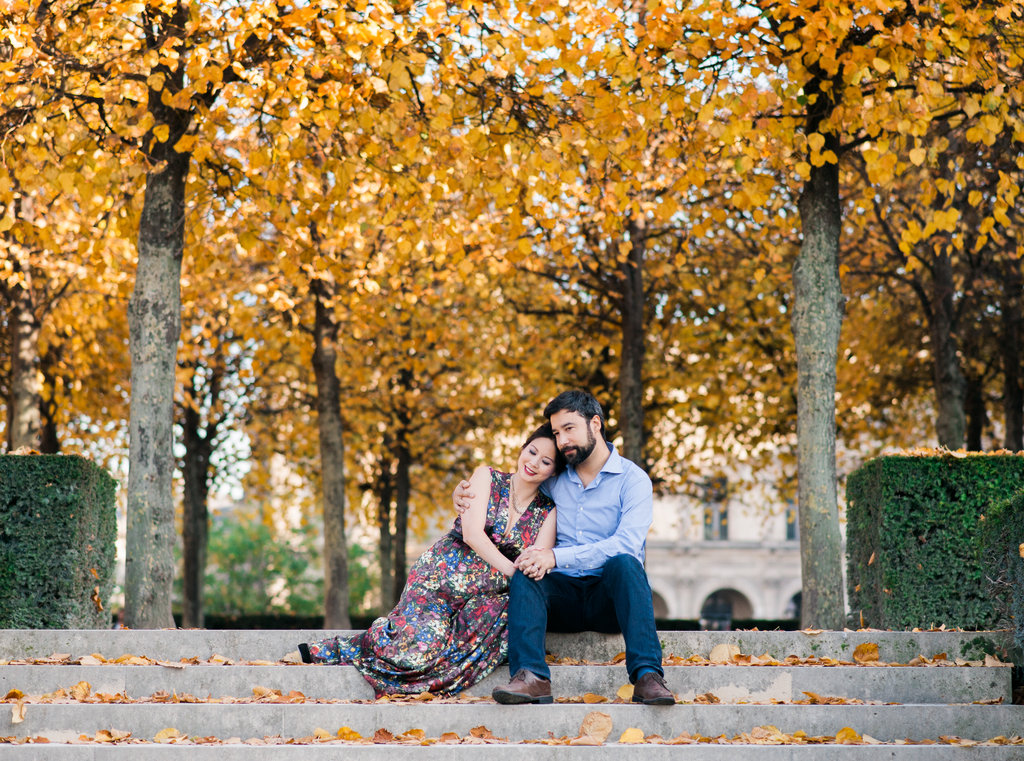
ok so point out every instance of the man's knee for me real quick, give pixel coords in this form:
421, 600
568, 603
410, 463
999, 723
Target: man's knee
625, 567
523, 585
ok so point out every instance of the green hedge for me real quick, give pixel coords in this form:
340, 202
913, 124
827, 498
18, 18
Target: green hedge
914, 547
1003, 535
58, 527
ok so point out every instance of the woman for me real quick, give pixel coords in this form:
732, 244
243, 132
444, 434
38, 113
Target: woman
448, 630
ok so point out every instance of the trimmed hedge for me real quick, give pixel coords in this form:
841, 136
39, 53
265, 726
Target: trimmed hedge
1003, 535
915, 555
58, 527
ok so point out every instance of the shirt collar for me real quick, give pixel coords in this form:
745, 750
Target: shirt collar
614, 464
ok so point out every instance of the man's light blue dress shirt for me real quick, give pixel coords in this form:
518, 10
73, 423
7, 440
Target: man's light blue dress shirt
610, 516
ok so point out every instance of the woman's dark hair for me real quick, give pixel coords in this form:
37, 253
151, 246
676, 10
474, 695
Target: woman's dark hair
580, 402
546, 432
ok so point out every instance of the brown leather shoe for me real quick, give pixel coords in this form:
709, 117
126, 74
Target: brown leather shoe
650, 690
525, 687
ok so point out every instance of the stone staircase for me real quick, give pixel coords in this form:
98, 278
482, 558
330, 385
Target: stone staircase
222, 695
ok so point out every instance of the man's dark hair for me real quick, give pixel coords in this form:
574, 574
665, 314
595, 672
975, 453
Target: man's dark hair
581, 402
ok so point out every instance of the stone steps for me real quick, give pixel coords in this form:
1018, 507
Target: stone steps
920, 703
169, 644
729, 684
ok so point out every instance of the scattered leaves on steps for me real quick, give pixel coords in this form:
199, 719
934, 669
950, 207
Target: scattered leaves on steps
595, 730
865, 654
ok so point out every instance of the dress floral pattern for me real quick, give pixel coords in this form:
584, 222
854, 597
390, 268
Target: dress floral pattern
448, 630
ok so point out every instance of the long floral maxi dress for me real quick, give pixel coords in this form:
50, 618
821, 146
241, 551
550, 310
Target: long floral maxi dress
448, 630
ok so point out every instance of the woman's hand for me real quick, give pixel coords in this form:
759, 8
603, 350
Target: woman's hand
535, 562
462, 497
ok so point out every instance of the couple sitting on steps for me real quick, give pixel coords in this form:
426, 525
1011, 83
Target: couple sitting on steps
509, 564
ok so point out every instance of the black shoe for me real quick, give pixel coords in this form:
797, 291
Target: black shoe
304, 653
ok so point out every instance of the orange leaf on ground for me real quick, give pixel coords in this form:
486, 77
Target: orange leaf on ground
383, 736
170, 734
625, 692
632, 735
347, 733
81, 691
619, 657
590, 697
449, 737
14, 695
848, 736
866, 652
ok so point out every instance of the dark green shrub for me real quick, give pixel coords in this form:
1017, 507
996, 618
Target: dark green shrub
1003, 535
914, 550
58, 527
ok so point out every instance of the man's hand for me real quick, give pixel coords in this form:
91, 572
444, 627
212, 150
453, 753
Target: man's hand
462, 497
535, 562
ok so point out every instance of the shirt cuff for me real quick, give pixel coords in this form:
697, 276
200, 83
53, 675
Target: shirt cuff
565, 557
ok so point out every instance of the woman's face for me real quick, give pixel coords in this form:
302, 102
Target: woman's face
537, 461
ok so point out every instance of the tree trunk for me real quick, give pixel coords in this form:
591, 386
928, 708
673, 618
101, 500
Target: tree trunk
950, 384
403, 487
332, 458
631, 380
23, 418
154, 323
1013, 333
386, 544
817, 318
195, 524
974, 409
49, 438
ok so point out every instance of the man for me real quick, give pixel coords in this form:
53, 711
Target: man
593, 579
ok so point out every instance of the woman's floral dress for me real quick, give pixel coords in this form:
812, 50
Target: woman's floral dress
448, 630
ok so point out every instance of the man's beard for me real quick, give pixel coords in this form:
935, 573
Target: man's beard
581, 453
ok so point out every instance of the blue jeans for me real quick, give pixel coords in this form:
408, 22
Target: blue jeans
617, 600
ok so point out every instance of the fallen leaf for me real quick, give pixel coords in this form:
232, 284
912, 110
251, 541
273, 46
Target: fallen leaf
81, 691
482, 733
632, 735
347, 733
383, 736
707, 699
866, 652
91, 660
619, 657
625, 692
590, 697
18, 712
596, 726
991, 660
14, 695
449, 737
110, 735
292, 658
322, 734
723, 653
848, 736
170, 734
871, 559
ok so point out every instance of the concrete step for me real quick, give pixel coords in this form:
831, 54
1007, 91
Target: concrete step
729, 684
512, 752
170, 644
887, 723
